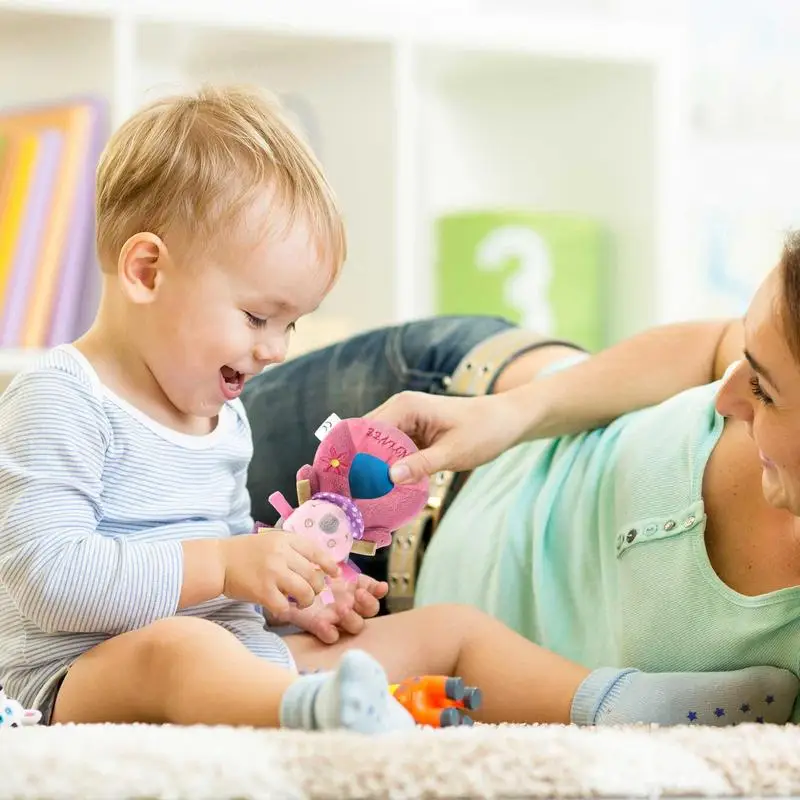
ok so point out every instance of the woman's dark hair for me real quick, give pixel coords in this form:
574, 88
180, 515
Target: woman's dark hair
790, 291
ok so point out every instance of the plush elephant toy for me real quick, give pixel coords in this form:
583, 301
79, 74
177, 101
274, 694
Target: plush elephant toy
13, 715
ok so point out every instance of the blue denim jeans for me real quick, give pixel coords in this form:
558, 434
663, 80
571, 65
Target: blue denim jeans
287, 403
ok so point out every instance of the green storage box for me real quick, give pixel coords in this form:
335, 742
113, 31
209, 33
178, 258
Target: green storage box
547, 272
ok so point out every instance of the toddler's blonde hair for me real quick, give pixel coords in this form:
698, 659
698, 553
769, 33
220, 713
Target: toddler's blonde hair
193, 161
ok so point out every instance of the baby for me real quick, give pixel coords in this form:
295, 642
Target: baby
131, 583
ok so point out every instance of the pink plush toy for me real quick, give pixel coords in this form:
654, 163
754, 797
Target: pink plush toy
332, 521
353, 460
346, 497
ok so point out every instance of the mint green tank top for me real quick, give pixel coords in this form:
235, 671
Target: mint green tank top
593, 546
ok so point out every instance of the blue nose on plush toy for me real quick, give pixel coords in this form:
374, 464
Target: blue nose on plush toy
369, 477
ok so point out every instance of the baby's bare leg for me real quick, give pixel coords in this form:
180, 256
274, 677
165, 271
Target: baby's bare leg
182, 670
187, 671
520, 681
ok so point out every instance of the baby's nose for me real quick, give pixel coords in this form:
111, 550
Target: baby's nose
271, 353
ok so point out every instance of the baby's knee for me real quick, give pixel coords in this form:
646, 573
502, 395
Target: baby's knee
168, 643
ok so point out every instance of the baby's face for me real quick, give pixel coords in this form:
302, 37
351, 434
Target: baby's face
231, 315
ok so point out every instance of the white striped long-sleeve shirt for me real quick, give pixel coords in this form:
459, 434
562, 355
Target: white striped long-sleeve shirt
95, 498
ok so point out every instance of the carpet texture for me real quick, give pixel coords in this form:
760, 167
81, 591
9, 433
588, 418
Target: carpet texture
140, 761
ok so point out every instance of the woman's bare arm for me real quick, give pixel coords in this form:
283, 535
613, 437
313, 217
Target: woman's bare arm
638, 372
456, 433
731, 348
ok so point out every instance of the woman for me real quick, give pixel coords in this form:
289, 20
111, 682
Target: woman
636, 509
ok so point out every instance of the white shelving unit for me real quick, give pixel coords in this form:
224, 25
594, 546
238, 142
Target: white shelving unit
413, 113
742, 201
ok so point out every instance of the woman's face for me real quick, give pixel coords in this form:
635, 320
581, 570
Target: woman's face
763, 392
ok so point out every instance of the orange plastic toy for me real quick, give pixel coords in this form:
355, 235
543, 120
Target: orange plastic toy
437, 700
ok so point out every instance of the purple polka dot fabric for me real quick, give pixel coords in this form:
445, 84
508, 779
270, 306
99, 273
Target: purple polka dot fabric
349, 507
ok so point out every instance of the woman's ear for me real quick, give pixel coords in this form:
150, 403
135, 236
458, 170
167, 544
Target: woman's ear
142, 262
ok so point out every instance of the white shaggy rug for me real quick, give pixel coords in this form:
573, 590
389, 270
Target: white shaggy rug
140, 761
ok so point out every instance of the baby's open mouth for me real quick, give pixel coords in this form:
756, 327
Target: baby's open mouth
232, 382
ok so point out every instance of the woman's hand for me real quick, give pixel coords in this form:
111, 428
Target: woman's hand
453, 433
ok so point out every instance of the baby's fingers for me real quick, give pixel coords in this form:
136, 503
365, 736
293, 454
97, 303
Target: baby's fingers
293, 585
352, 622
276, 604
314, 554
307, 570
324, 627
366, 604
377, 589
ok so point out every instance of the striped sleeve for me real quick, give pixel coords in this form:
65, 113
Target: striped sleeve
62, 574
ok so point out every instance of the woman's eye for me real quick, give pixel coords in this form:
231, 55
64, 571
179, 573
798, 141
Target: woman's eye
758, 391
254, 321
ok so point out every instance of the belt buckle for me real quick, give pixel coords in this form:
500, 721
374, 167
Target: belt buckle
408, 545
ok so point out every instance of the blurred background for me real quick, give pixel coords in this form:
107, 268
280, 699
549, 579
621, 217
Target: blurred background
586, 167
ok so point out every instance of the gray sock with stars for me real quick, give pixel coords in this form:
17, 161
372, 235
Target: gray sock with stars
355, 696
616, 697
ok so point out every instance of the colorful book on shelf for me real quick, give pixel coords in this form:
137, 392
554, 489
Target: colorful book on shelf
52, 245
79, 280
37, 208
12, 212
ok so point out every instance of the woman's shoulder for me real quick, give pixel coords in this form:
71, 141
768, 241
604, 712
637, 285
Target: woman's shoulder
664, 449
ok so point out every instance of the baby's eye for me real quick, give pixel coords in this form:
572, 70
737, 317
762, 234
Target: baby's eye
291, 327
254, 321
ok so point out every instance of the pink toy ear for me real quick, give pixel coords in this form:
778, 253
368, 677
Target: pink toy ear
281, 505
306, 473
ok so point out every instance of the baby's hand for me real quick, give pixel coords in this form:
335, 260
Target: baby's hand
353, 603
269, 567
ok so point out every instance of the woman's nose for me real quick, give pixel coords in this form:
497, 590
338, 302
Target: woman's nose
734, 398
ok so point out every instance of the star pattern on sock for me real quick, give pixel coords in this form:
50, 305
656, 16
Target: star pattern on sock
744, 708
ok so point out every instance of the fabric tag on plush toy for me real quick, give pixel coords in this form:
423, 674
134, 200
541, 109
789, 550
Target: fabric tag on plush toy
327, 426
